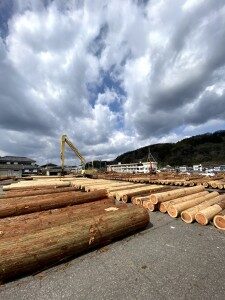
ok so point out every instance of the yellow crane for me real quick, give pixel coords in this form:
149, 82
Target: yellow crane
65, 140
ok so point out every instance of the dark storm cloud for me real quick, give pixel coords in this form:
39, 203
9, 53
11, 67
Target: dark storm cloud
210, 106
166, 106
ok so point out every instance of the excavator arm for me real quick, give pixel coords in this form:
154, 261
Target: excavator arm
65, 140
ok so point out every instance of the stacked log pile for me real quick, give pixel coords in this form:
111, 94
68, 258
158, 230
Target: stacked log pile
191, 204
122, 191
214, 182
41, 225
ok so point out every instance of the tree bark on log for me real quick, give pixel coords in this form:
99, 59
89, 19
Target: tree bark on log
37, 192
205, 215
32, 252
188, 215
13, 208
30, 223
175, 209
219, 220
40, 197
162, 197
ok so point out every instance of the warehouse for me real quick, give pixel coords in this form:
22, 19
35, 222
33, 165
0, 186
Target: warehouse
144, 167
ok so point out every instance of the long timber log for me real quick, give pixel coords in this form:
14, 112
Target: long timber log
32, 252
188, 215
106, 186
219, 220
13, 208
175, 209
163, 206
33, 185
124, 186
73, 193
205, 215
161, 197
37, 192
125, 196
30, 223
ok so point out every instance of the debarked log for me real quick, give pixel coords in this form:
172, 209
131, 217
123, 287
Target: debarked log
158, 198
219, 220
205, 215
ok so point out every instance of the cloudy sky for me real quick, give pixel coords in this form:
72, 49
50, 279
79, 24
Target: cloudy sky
113, 75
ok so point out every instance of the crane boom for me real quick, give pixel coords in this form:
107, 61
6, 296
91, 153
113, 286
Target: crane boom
65, 140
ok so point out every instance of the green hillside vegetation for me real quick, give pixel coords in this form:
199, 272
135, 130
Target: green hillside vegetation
207, 149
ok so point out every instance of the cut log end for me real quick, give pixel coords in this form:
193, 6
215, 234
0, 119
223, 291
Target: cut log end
186, 217
219, 222
154, 199
162, 208
201, 219
172, 211
125, 199
151, 207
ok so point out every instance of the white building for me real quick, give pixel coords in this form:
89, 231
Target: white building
183, 169
197, 168
144, 167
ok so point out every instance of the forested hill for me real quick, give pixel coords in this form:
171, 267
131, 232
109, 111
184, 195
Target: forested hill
208, 149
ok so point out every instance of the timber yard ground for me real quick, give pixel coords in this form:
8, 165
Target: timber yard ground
168, 260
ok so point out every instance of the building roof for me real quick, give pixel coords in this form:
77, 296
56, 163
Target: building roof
17, 167
16, 159
48, 165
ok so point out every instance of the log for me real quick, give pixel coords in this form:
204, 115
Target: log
100, 186
38, 192
30, 223
125, 196
164, 205
162, 197
14, 200
47, 184
124, 187
32, 252
148, 205
139, 199
19, 207
82, 184
188, 215
175, 209
219, 220
205, 215
111, 186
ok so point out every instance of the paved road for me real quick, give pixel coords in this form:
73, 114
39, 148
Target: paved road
169, 260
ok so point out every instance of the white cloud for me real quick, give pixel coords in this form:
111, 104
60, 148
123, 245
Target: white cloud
112, 75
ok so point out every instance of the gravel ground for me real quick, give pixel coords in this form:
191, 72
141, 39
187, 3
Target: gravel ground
169, 260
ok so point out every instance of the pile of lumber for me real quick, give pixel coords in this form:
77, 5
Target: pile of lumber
42, 225
122, 191
215, 182
191, 204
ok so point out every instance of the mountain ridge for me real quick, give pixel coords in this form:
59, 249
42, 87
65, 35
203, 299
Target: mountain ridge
207, 149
